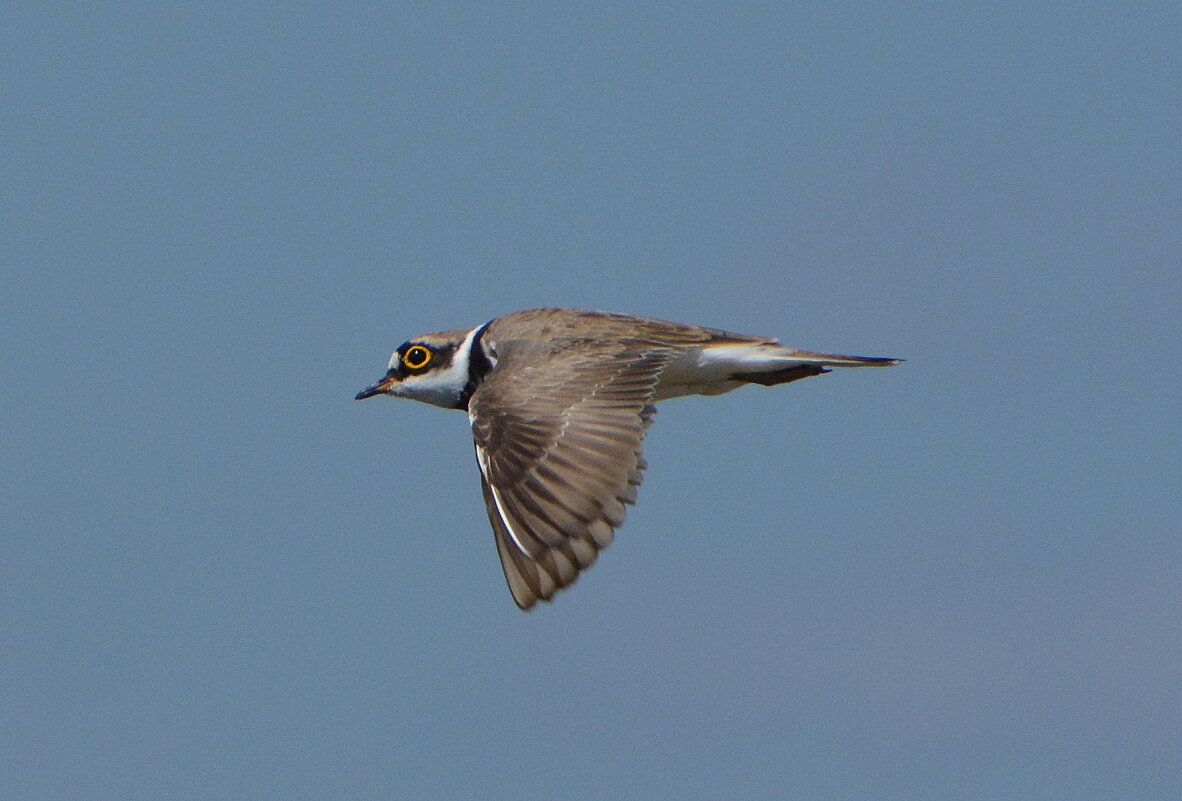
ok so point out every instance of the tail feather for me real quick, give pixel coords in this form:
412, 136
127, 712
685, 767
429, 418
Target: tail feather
835, 359
789, 364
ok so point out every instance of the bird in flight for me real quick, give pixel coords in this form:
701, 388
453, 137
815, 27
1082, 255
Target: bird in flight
559, 400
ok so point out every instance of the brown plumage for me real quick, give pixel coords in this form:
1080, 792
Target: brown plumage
559, 401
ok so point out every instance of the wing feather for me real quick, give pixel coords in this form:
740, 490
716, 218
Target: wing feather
558, 427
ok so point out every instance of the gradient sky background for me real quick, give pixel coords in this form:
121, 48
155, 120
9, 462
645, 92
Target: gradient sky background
221, 578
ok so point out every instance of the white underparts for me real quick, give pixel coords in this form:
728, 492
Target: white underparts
710, 370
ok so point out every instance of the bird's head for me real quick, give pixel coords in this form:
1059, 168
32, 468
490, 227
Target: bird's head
433, 368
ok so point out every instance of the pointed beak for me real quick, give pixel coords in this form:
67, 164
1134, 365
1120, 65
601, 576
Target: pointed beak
380, 388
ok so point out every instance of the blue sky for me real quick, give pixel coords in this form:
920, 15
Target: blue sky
959, 578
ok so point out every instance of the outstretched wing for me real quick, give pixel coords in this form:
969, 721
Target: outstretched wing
558, 427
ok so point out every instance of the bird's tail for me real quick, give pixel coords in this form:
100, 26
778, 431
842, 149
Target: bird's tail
776, 364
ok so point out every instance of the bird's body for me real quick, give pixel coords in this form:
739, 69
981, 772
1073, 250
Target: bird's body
559, 400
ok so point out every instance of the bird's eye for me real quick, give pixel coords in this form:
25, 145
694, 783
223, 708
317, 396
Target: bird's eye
416, 357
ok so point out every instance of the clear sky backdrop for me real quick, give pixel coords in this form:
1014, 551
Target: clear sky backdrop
221, 578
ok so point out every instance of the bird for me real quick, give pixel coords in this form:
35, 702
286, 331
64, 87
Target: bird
559, 400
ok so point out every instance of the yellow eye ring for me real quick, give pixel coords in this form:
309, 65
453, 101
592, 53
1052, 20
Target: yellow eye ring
416, 356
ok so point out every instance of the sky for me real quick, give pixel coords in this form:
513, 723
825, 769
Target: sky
222, 578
